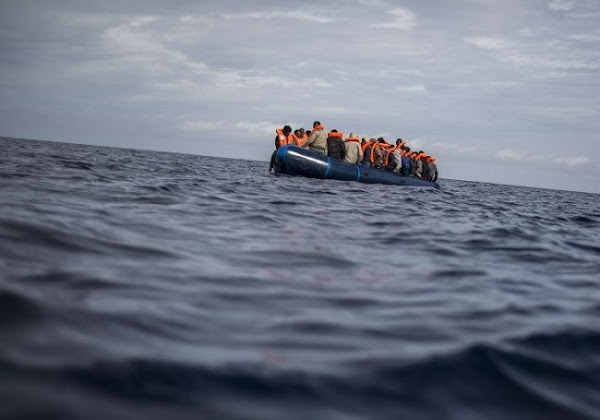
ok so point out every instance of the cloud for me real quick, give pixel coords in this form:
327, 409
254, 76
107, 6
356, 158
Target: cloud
399, 19
418, 88
486, 42
290, 14
548, 159
251, 128
574, 161
562, 5
590, 37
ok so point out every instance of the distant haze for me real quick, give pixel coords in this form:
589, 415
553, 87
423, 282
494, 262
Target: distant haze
500, 91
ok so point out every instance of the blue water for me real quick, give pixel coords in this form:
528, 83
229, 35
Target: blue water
138, 284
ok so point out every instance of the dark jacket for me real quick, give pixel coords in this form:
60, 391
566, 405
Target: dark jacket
336, 148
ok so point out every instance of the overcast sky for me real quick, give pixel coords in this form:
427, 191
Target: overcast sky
501, 91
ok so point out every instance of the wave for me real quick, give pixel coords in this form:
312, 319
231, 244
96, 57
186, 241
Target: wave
550, 376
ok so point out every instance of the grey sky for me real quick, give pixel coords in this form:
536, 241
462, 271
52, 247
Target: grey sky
506, 92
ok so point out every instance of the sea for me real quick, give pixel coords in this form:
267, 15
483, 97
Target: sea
139, 284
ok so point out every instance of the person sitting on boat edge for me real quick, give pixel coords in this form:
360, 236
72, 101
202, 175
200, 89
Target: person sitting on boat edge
405, 156
303, 136
379, 152
392, 161
317, 142
296, 137
366, 150
335, 145
283, 137
418, 172
353, 150
431, 170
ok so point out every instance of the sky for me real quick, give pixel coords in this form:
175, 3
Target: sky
499, 91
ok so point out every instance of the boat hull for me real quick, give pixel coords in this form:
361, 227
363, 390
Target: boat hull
293, 160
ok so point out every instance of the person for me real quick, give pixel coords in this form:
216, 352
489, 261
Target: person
419, 164
379, 152
296, 138
405, 160
366, 150
283, 138
335, 145
303, 136
353, 151
431, 171
317, 142
392, 160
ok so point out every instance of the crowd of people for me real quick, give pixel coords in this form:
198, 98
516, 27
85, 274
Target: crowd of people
377, 153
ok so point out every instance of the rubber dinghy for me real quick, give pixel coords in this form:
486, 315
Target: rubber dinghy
294, 160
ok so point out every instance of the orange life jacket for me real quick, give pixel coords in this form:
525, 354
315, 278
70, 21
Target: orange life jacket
282, 140
367, 144
377, 144
340, 135
392, 150
298, 141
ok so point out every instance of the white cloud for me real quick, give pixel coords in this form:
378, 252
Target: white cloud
486, 42
290, 14
591, 37
418, 88
574, 161
509, 154
238, 78
202, 125
251, 128
562, 5
399, 19
548, 159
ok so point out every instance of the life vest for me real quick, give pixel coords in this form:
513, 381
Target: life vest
381, 145
294, 139
356, 139
282, 140
392, 150
336, 135
366, 151
367, 144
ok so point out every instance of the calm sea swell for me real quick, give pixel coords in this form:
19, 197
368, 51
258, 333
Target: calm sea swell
147, 284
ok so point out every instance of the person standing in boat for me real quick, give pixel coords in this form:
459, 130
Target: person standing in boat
335, 145
353, 151
317, 142
283, 137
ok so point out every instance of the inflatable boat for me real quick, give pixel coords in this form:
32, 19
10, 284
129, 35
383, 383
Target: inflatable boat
293, 160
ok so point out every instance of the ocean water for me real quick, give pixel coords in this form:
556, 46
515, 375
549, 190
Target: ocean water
139, 284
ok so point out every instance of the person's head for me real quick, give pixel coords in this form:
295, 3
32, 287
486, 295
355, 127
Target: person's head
301, 130
296, 132
407, 149
308, 132
363, 141
399, 141
334, 131
287, 129
353, 136
316, 123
